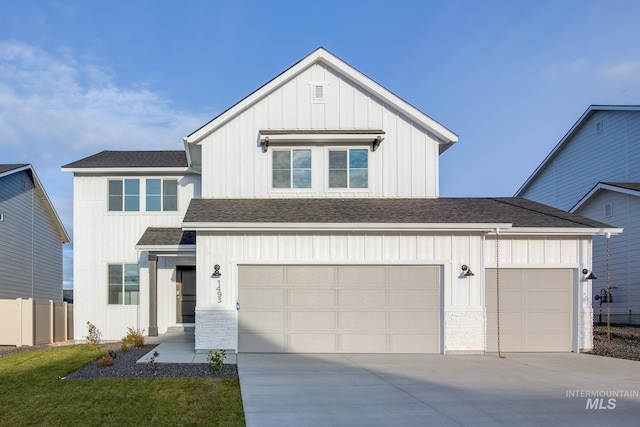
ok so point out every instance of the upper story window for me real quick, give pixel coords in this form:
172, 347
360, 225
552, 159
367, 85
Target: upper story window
291, 168
124, 284
349, 168
162, 195
124, 195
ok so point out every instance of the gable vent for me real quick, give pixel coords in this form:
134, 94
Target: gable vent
599, 126
318, 92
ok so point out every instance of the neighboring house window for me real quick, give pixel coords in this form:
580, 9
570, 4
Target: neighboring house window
349, 168
162, 195
608, 210
291, 169
599, 126
124, 194
124, 284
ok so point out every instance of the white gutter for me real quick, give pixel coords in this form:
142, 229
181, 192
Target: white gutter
567, 231
130, 170
277, 226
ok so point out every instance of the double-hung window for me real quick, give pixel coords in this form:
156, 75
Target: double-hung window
291, 168
124, 195
124, 284
162, 195
349, 168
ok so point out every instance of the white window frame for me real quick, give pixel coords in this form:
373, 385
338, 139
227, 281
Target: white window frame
348, 149
123, 196
123, 293
608, 207
291, 169
162, 194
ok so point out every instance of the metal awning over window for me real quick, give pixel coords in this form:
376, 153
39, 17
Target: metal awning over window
351, 136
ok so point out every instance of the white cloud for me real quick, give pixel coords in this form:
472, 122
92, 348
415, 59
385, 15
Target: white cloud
561, 71
628, 71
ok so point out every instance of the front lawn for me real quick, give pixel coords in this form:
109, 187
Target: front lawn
32, 394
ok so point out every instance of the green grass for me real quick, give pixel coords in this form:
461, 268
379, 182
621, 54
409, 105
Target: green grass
32, 394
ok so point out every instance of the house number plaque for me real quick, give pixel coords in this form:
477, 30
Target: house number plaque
219, 293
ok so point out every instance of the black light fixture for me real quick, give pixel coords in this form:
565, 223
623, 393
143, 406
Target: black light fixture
591, 276
216, 271
466, 271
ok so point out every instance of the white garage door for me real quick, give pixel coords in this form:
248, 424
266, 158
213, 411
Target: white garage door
339, 309
535, 310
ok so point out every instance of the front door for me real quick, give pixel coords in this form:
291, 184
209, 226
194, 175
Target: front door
186, 294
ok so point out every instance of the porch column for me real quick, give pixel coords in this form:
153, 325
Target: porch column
153, 295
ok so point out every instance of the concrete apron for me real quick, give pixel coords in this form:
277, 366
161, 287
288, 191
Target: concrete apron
409, 390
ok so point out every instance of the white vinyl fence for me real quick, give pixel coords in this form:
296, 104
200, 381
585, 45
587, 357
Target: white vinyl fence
31, 322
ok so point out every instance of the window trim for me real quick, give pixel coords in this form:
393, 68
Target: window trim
123, 284
291, 169
328, 151
162, 195
123, 196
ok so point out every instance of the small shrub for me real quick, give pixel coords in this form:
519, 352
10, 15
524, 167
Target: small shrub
124, 346
216, 360
134, 339
94, 335
105, 361
152, 363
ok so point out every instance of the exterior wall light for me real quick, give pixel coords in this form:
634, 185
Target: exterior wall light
591, 276
466, 271
216, 271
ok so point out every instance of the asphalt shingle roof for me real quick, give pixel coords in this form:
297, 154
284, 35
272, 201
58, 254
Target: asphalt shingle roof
520, 212
8, 167
132, 159
635, 186
155, 236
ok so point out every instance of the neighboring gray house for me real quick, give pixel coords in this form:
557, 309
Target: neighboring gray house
595, 171
31, 237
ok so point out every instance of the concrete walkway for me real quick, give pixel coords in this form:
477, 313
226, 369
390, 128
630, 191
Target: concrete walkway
410, 390
178, 346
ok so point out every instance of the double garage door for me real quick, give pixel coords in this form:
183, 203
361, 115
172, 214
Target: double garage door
535, 310
339, 309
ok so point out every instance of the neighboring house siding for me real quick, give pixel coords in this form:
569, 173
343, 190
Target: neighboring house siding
624, 253
103, 237
234, 165
589, 158
30, 248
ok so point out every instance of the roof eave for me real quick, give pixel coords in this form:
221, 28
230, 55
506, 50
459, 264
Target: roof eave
276, 226
136, 169
179, 249
562, 231
599, 187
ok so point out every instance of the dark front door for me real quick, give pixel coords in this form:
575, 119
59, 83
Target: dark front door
186, 294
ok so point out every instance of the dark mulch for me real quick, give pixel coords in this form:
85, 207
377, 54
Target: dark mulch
625, 341
125, 366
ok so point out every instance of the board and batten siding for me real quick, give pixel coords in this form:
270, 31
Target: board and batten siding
589, 157
103, 237
624, 253
30, 248
234, 164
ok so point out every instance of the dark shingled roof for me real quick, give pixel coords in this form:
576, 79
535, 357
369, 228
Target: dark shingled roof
154, 236
132, 159
635, 186
520, 212
8, 167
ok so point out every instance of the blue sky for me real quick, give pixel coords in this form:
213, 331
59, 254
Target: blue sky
509, 77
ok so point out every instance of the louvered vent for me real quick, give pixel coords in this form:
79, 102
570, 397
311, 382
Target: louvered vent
318, 92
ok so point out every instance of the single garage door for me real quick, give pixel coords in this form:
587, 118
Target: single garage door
339, 309
535, 310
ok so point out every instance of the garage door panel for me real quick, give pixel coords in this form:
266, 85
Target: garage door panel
412, 320
312, 342
311, 276
262, 320
363, 320
261, 276
312, 320
258, 298
313, 298
364, 298
350, 309
428, 299
364, 343
535, 309
362, 276
415, 343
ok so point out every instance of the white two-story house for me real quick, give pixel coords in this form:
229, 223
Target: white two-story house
306, 218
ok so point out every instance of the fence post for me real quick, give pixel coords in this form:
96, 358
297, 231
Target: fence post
52, 321
66, 320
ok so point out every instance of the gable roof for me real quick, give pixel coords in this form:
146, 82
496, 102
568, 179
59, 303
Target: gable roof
323, 56
131, 159
9, 169
450, 213
631, 188
560, 145
169, 238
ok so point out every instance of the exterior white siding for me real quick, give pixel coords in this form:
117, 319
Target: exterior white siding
624, 254
103, 237
234, 164
462, 297
30, 247
589, 157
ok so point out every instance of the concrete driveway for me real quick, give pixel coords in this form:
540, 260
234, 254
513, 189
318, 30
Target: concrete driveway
421, 390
